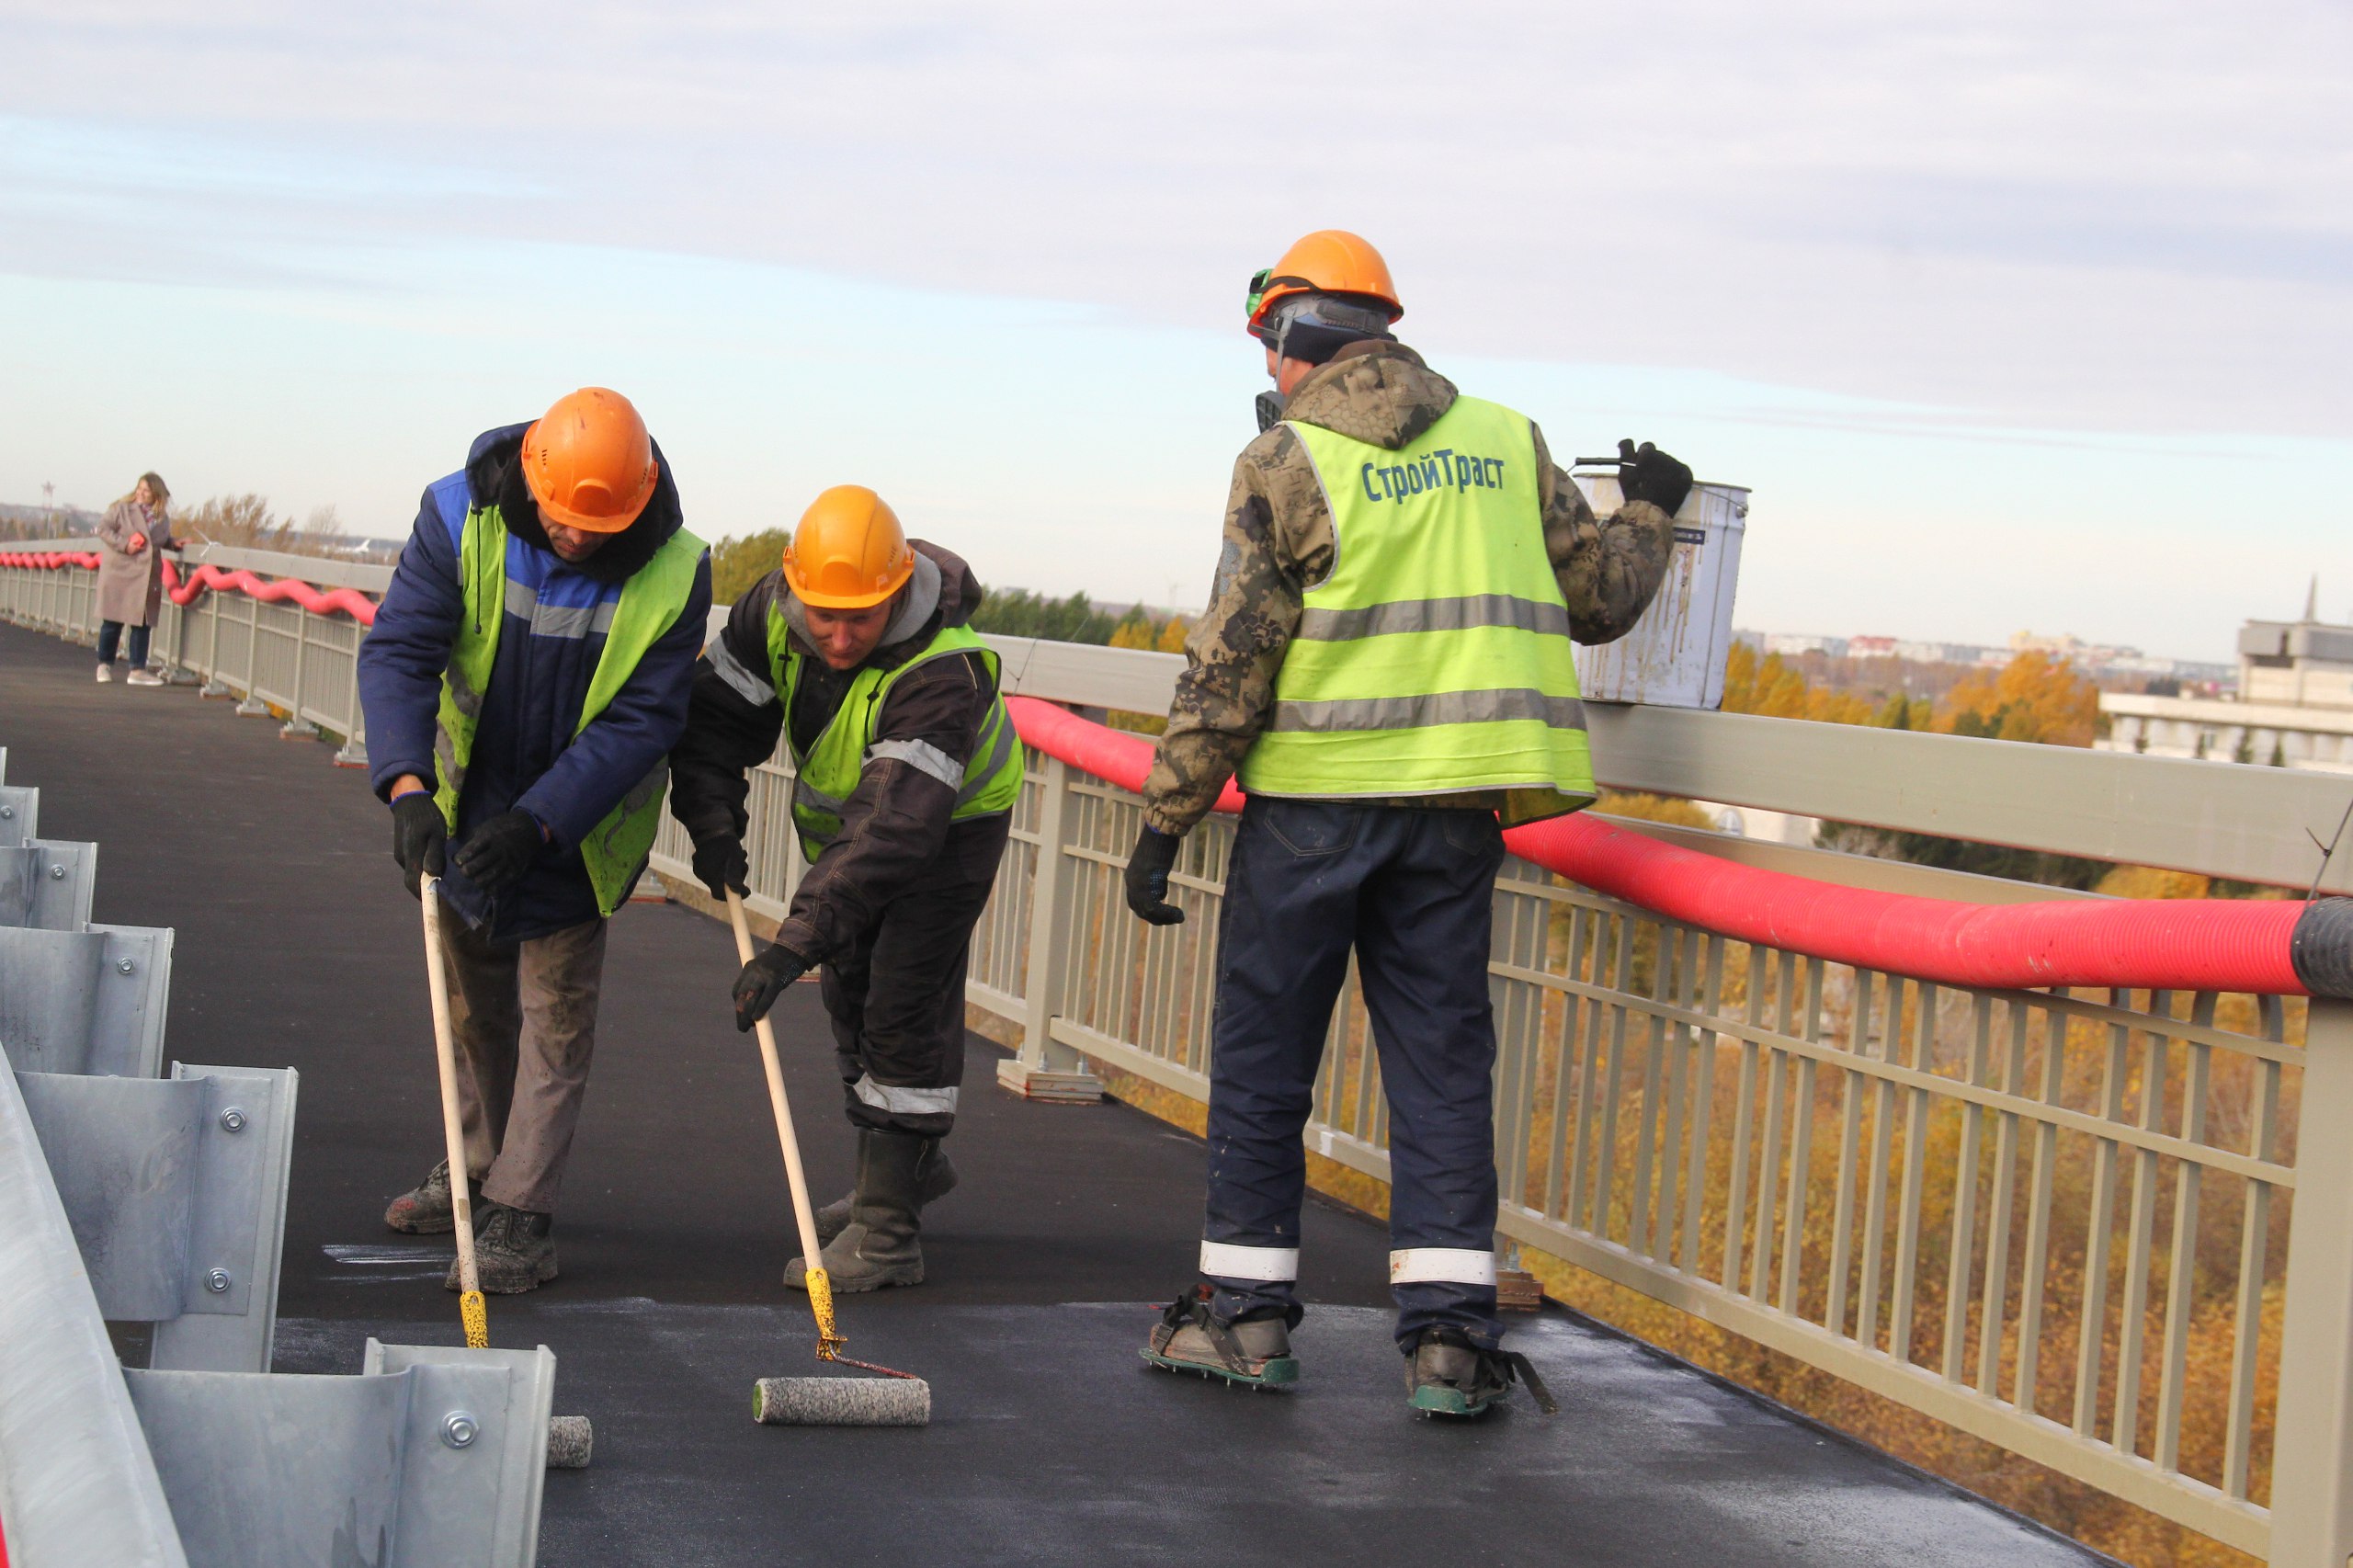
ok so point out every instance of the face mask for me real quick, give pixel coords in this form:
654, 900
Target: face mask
1270, 411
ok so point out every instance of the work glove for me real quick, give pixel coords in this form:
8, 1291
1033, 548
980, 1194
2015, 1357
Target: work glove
418, 837
720, 864
1149, 864
1645, 473
497, 854
763, 980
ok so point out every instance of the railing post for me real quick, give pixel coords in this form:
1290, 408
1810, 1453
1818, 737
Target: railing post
175, 661
1045, 1069
296, 727
253, 707
214, 685
354, 753
2312, 1466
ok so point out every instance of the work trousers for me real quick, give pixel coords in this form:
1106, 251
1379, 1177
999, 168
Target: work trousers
524, 1018
1411, 891
896, 996
110, 638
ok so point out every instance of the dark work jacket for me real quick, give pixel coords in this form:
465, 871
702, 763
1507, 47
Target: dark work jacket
896, 828
525, 755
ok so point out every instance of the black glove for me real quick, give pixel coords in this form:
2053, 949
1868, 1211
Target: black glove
1645, 473
763, 980
1148, 866
720, 865
500, 851
418, 837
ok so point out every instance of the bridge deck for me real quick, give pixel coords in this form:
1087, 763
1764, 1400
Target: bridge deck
1051, 1443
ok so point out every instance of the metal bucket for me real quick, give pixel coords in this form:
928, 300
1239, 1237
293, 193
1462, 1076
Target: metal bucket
1675, 655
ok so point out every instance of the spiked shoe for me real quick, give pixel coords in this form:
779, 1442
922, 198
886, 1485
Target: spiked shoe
1252, 1351
1446, 1374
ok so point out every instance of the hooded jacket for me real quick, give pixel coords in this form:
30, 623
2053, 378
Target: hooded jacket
526, 755
1279, 541
896, 828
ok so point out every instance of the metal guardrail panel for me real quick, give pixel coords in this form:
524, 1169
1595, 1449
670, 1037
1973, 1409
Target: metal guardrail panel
19, 814
426, 1459
78, 1486
176, 1189
47, 885
2216, 818
91, 1001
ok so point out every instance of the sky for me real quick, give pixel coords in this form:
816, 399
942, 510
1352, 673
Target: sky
2011, 316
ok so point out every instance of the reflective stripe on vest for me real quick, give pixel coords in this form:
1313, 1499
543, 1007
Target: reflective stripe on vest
650, 603
823, 781
1436, 658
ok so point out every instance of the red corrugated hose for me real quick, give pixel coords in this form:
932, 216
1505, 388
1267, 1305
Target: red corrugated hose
2278, 946
351, 601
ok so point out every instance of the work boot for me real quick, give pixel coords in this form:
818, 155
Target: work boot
935, 1180
427, 1209
1254, 1349
514, 1250
879, 1247
1446, 1374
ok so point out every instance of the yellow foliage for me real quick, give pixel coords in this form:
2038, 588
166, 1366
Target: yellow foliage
2149, 881
1653, 808
2035, 698
1173, 634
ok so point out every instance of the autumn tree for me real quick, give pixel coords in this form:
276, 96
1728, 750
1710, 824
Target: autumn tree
2034, 697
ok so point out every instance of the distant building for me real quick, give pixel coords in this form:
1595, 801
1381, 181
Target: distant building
2294, 707
1790, 644
1870, 647
1938, 652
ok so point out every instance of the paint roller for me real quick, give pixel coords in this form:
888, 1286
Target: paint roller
891, 1398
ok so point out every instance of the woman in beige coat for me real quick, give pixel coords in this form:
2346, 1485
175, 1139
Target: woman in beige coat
133, 536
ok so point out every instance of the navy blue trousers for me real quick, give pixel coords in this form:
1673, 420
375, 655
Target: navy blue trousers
1412, 891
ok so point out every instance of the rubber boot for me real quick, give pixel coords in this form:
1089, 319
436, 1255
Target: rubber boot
1253, 1351
514, 1250
880, 1245
427, 1210
1446, 1374
935, 1180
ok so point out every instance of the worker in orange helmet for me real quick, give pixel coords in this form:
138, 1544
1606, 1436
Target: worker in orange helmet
524, 682
1386, 664
857, 651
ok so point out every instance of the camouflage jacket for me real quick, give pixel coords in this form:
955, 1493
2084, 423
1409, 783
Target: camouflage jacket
1279, 541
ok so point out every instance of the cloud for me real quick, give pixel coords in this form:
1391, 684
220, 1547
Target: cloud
2112, 215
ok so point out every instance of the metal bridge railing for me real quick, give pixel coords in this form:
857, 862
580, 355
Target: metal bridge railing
268, 655
2078, 1225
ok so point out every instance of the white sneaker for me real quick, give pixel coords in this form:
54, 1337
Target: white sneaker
146, 677
105, 675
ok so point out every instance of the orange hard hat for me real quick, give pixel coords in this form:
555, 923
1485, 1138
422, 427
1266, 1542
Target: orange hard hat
589, 463
849, 552
1329, 261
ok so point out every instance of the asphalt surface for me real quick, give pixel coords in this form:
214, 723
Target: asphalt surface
1051, 1442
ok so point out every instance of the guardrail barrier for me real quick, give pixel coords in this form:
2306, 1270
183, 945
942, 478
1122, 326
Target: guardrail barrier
127, 1197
